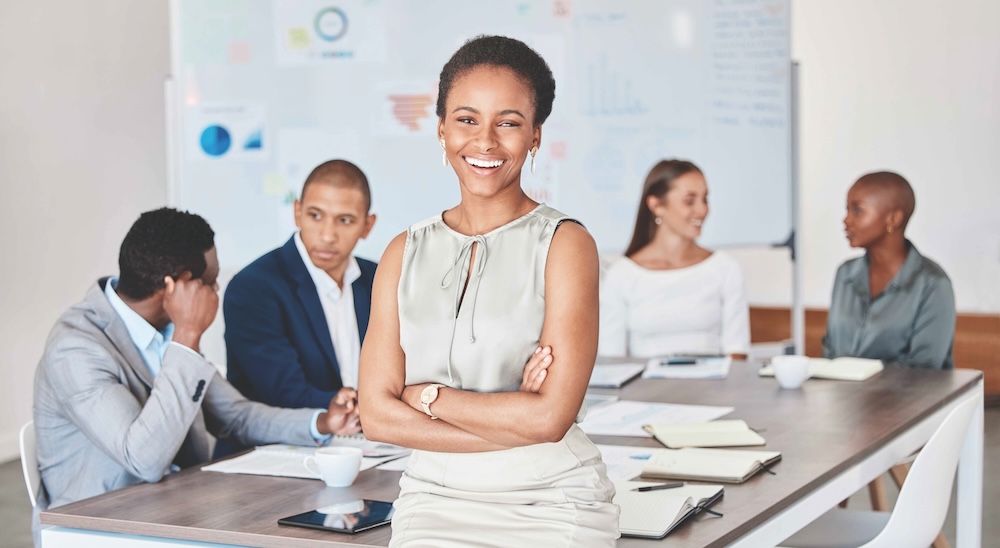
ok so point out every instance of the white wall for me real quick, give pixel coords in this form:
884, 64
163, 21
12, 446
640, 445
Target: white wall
82, 153
910, 85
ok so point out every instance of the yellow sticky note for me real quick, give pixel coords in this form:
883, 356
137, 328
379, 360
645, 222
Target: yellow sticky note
298, 38
274, 184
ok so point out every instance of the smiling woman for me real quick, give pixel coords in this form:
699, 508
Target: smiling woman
474, 357
669, 295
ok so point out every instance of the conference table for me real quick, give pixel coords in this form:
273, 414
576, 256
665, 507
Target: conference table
834, 436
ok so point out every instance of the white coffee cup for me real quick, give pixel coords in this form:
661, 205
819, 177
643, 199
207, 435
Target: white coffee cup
337, 466
791, 371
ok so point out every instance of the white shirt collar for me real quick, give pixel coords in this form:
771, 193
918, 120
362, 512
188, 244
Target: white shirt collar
325, 285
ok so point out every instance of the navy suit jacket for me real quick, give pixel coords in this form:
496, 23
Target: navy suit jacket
278, 343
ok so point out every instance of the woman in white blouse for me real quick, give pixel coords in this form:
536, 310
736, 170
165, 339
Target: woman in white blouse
668, 295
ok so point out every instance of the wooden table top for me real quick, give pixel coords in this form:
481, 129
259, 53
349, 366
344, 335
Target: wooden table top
822, 429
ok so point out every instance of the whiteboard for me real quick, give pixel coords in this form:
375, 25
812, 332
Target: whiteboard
264, 90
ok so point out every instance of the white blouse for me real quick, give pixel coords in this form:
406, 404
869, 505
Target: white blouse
699, 309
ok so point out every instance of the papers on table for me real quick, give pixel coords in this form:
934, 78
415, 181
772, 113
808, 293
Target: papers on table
614, 376
688, 367
395, 465
286, 460
593, 400
626, 418
624, 462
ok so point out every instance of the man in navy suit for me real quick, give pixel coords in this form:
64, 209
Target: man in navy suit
296, 317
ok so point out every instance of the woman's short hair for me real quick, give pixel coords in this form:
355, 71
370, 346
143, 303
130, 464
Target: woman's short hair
501, 51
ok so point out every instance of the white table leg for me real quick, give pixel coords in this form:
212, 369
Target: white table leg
969, 513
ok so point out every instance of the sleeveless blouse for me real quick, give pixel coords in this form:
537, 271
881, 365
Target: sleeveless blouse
481, 341
549, 494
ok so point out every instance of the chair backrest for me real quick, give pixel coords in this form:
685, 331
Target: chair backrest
29, 462
923, 501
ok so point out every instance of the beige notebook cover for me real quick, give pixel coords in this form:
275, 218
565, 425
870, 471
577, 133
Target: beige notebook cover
654, 514
841, 369
699, 464
727, 433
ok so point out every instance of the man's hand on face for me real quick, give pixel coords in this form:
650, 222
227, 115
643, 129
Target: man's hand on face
342, 416
191, 306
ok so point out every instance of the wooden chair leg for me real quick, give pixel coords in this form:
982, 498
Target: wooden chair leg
941, 542
898, 473
876, 491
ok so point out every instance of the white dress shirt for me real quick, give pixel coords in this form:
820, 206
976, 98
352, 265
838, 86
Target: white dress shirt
338, 307
700, 309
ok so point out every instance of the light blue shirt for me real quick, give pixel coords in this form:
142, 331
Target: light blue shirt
152, 343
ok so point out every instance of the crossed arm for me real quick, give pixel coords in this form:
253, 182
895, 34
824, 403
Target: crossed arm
554, 381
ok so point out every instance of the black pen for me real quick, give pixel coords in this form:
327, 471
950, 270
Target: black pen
674, 485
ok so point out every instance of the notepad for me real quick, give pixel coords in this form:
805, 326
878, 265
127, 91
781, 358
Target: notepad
614, 376
286, 460
841, 369
727, 433
654, 514
698, 464
688, 367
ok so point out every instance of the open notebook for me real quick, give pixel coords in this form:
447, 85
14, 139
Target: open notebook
727, 433
695, 463
286, 460
841, 369
654, 514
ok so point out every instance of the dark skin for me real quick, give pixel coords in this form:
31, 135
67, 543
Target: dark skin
875, 221
191, 304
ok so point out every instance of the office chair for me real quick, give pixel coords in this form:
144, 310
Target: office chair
922, 504
29, 461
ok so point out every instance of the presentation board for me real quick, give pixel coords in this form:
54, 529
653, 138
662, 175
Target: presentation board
264, 90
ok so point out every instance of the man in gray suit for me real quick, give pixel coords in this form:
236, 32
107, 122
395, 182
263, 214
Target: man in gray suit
122, 395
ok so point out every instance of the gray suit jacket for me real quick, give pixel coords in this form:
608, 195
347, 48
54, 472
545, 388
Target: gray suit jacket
102, 423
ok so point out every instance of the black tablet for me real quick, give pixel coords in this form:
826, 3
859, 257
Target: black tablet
351, 516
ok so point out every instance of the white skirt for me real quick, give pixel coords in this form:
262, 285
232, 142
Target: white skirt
551, 494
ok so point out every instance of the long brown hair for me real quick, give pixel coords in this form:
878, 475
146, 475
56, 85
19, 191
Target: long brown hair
658, 182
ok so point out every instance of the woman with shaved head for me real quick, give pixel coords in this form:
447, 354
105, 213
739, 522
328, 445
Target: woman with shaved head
892, 304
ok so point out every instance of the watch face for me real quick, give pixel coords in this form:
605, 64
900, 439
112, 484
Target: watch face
429, 394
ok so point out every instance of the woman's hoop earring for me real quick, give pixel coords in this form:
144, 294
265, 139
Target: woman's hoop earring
444, 155
533, 152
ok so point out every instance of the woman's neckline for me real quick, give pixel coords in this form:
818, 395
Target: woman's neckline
678, 269
495, 230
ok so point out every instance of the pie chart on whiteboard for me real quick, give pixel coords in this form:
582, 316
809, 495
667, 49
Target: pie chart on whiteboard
215, 140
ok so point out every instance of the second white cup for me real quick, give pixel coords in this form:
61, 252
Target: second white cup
791, 371
337, 466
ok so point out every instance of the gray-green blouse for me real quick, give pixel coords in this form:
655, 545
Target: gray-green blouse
910, 324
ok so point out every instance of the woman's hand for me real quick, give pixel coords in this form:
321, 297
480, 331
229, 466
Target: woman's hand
536, 370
